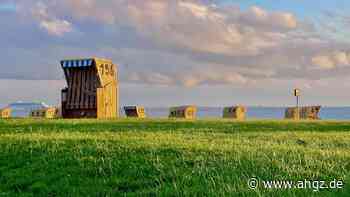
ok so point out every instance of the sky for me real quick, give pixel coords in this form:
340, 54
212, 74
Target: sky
177, 52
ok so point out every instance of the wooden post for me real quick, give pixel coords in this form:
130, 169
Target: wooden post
297, 95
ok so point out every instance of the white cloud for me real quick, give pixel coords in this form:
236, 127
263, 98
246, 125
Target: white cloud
189, 78
336, 59
190, 43
323, 62
189, 25
199, 11
341, 58
46, 18
258, 17
56, 27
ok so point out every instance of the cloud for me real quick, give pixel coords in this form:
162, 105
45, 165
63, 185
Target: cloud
178, 43
195, 27
47, 21
333, 60
197, 10
56, 27
186, 25
324, 62
256, 16
191, 79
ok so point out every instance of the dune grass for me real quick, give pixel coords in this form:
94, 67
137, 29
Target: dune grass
169, 157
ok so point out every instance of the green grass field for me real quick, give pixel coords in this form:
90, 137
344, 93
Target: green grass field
169, 157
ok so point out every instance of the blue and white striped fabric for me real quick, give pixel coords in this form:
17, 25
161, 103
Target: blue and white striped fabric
77, 63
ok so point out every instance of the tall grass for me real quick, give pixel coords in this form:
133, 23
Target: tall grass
169, 157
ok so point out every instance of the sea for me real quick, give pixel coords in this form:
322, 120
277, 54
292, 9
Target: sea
326, 113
